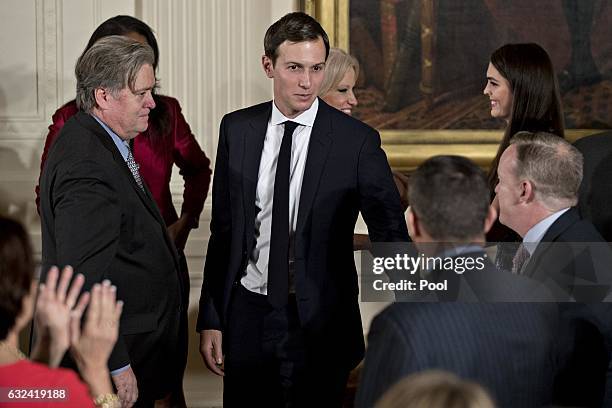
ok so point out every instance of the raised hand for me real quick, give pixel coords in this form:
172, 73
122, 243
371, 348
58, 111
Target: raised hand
55, 306
92, 344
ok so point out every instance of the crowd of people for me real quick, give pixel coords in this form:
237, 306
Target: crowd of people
278, 314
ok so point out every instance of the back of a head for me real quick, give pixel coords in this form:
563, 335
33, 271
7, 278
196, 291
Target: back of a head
123, 25
435, 389
111, 63
293, 27
450, 196
337, 65
553, 166
16, 272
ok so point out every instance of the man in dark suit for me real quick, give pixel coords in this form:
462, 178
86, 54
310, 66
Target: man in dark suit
539, 178
506, 347
279, 303
99, 217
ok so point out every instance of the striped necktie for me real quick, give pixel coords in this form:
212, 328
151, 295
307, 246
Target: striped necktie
133, 167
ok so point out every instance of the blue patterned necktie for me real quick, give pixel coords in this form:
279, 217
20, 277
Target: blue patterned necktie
133, 167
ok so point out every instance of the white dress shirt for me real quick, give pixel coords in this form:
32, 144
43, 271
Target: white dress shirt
256, 278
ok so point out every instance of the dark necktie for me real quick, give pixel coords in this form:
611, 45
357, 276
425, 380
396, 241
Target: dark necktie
520, 260
134, 167
278, 262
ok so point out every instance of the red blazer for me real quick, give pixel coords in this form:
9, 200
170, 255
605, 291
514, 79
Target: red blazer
156, 163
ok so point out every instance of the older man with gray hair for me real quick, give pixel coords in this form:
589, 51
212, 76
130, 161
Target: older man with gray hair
539, 177
98, 215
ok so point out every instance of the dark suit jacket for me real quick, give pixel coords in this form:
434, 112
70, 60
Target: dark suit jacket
595, 198
509, 348
571, 256
346, 172
95, 218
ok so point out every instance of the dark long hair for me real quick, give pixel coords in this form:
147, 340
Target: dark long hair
536, 104
123, 25
16, 272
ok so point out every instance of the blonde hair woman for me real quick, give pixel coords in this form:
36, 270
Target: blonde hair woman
435, 389
341, 72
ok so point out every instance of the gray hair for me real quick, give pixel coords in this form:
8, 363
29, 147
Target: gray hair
553, 166
337, 65
111, 63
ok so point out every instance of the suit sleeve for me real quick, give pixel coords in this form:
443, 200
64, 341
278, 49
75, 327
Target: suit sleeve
193, 164
217, 255
58, 120
387, 360
87, 228
380, 203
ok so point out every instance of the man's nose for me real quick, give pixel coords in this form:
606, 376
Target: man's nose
150, 102
305, 80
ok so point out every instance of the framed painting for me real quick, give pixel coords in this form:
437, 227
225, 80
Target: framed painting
423, 64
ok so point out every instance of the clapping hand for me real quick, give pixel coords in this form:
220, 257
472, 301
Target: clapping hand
91, 344
56, 306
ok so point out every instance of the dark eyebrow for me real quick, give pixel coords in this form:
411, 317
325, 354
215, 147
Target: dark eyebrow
491, 79
302, 65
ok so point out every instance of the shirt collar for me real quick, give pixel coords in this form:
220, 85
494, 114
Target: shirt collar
461, 249
120, 143
536, 233
305, 118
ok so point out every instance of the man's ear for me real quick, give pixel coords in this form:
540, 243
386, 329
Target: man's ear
268, 66
527, 191
490, 219
102, 98
414, 229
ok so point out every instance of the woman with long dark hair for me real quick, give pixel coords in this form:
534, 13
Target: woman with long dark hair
524, 93
523, 89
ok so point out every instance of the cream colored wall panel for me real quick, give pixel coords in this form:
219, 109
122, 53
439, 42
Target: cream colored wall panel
19, 161
77, 20
19, 63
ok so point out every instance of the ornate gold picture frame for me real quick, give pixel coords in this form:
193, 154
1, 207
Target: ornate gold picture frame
407, 148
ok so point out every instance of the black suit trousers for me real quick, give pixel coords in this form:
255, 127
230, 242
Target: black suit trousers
268, 361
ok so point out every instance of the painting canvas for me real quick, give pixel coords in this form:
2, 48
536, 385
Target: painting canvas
423, 62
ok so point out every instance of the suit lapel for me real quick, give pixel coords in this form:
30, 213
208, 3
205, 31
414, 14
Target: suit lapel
107, 142
569, 218
318, 149
252, 141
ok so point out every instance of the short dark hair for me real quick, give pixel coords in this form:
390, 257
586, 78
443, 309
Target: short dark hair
16, 272
294, 27
124, 25
450, 195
